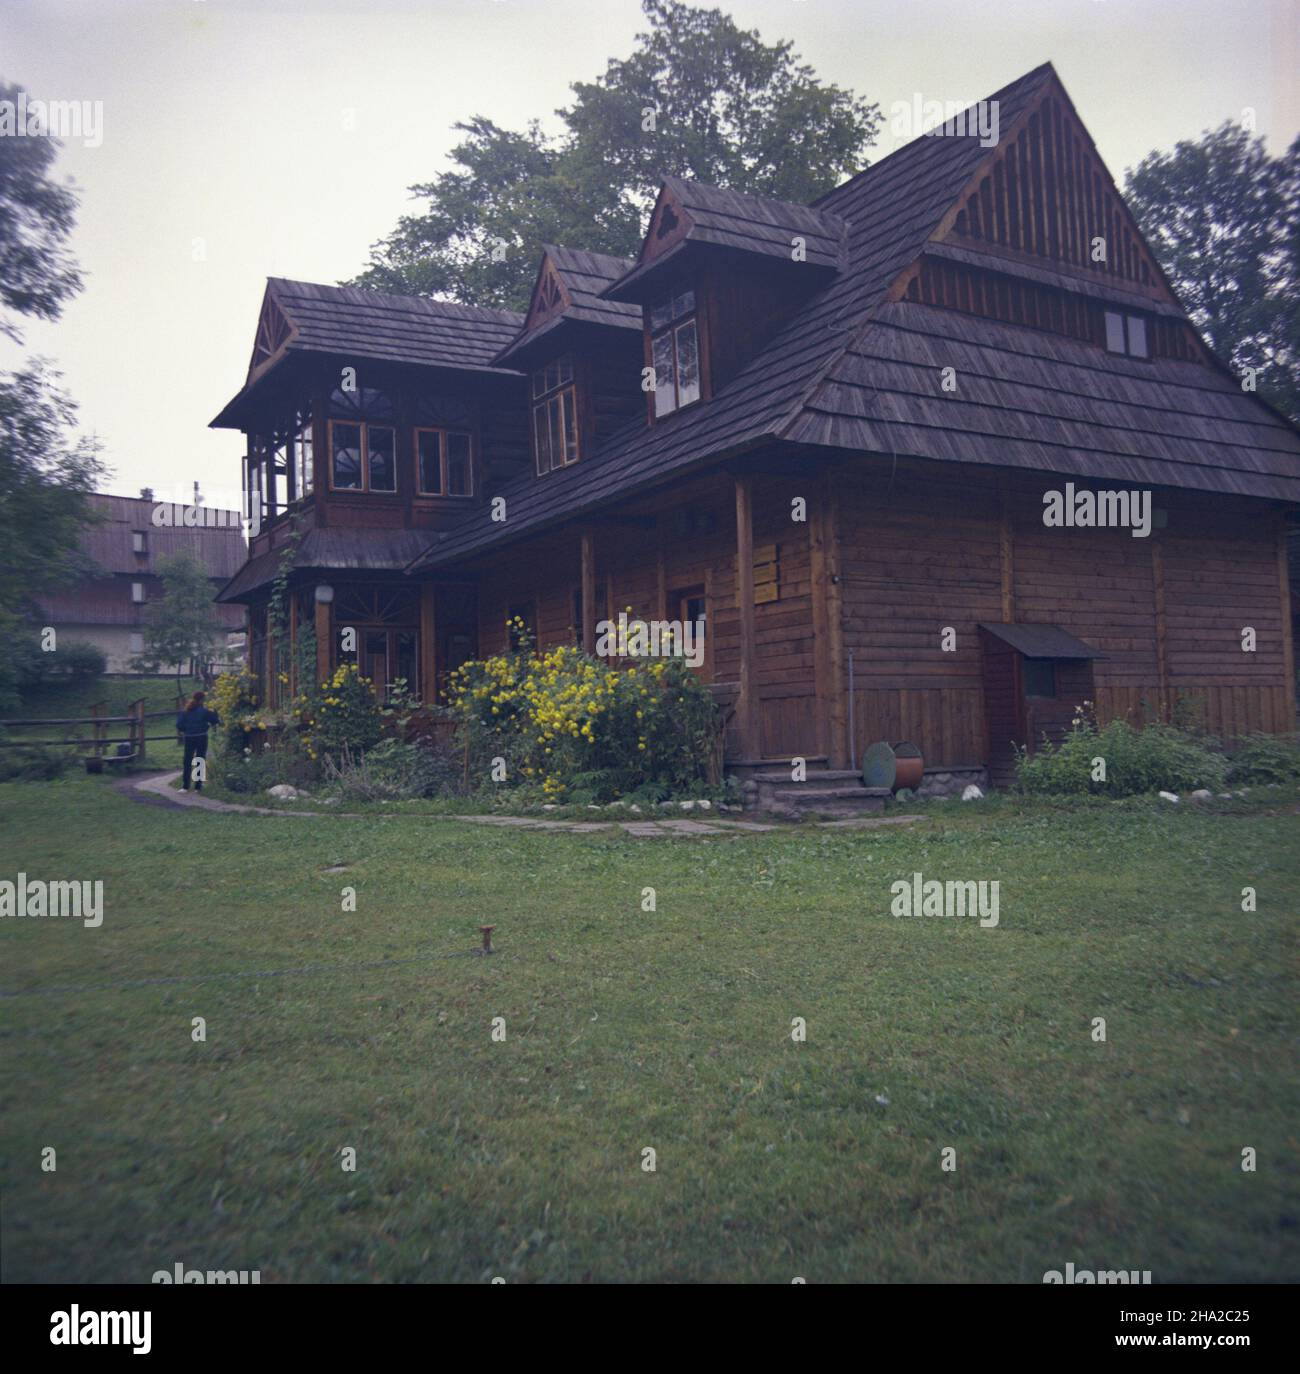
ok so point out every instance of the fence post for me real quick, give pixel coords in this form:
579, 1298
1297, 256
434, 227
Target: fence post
98, 727
137, 727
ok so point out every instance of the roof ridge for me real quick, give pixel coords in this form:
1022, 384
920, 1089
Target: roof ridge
435, 303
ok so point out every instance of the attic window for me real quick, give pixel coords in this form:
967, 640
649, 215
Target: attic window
675, 352
555, 416
1127, 334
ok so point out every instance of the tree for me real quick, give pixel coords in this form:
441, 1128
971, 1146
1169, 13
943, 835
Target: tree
697, 98
36, 215
1223, 217
182, 625
46, 474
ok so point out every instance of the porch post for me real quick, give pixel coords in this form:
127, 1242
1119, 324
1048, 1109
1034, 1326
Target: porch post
828, 625
324, 641
428, 642
746, 707
589, 592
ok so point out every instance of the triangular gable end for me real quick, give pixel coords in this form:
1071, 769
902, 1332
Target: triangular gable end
550, 296
669, 225
1043, 192
273, 332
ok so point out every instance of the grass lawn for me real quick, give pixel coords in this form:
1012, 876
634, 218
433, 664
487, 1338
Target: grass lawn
670, 1030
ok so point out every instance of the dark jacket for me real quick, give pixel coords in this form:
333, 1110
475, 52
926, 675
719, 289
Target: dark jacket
194, 724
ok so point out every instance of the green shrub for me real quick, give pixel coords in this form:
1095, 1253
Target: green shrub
392, 770
1266, 758
1156, 758
78, 662
39, 763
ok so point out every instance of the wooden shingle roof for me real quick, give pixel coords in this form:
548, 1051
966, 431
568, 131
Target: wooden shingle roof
373, 324
853, 370
342, 548
577, 278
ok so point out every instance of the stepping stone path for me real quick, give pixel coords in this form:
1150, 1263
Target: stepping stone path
162, 786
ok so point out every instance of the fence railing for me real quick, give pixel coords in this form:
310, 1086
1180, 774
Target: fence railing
98, 740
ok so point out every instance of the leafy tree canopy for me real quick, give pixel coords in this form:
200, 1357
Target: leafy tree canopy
699, 97
36, 214
1223, 217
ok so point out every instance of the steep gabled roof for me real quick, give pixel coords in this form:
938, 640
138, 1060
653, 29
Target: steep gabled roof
303, 317
374, 324
568, 288
689, 215
858, 370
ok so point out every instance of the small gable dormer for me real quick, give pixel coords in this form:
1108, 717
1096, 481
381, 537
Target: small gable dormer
581, 353
718, 273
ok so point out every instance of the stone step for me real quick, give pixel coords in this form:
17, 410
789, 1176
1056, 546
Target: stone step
798, 808
816, 777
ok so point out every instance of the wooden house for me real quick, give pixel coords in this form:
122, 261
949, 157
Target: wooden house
862, 413
107, 605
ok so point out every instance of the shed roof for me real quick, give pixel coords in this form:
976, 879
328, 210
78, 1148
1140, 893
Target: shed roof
1043, 641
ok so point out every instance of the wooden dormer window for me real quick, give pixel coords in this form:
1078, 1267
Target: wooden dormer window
442, 463
555, 416
675, 352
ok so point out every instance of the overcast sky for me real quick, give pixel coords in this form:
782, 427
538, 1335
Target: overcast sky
226, 121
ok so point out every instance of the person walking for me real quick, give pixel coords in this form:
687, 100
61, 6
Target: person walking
192, 726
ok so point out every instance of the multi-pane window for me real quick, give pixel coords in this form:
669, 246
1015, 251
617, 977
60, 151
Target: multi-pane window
1127, 334
363, 456
555, 416
363, 441
442, 461
302, 457
675, 352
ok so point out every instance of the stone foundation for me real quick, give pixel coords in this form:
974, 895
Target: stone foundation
951, 782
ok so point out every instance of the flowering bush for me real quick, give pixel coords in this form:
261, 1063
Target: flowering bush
235, 698
583, 731
341, 713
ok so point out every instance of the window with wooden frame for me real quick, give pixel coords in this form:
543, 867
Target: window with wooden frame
362, 441
303, 456
690, 606
1127, 334
443, 463
556, 440
1039, 677
675, 352
363, 456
